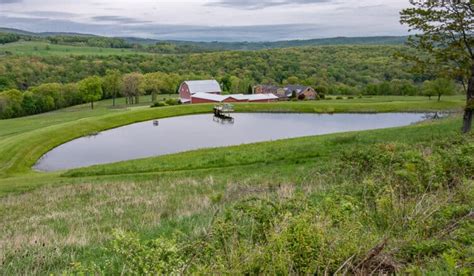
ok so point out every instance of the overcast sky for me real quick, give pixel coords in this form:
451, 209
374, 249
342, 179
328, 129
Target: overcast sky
208, 20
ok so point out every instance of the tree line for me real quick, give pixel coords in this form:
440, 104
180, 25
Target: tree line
351, 66
52, 96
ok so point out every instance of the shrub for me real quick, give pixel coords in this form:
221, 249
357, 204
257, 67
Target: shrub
171, 101
339, 98
159, 104
131, 256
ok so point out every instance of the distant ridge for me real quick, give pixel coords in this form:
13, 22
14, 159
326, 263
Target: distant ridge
244, 45
42, 34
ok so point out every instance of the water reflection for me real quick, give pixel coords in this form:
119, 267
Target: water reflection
186, 133
223, 121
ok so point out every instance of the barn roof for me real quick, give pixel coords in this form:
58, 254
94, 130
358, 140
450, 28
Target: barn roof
259, 97
210, 97
239, 97
203, 86
297, 88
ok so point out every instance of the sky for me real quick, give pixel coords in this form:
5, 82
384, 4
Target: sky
208, 20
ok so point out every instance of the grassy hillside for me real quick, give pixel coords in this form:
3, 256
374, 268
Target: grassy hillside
39, 48
330, 200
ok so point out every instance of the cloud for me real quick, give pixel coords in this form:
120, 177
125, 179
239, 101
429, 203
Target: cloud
252, 5
118, 19
196, 32
49, 14
10, 1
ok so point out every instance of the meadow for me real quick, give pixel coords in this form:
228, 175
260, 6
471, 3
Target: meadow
217, 210
42, 49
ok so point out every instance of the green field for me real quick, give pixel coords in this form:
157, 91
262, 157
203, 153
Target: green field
416, 195
35, 48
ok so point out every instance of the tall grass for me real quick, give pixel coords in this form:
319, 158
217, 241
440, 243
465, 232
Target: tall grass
300, 213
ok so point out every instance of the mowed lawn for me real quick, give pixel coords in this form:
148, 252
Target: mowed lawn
50, 220
36, 48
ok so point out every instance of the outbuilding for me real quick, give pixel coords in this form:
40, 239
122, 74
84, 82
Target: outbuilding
206, 98
190, 88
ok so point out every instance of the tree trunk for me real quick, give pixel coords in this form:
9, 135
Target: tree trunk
153, 97
113, 101
92, 104
439, 97
467, 120
137, 99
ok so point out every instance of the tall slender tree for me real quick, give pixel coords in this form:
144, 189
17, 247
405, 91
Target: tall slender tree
133, 87
445, 35
112, 84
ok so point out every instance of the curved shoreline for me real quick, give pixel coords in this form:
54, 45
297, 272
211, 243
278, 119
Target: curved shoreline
25, 149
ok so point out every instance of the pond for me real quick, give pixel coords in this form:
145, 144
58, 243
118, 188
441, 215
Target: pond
179, 134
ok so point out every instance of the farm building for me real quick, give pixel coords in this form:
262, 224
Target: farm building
209, 91
284, 93
189, 88
265, 89
234, 98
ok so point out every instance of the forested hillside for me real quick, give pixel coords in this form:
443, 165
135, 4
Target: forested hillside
33, 84
340, 67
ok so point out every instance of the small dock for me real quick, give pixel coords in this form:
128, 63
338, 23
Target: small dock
223, 111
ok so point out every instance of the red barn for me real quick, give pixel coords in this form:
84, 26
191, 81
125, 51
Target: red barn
206, 98
189, 88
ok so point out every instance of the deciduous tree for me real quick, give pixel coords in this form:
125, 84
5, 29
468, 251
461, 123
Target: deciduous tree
133, 87
112, 84
446, 39
153, 82
91, 89
439, 87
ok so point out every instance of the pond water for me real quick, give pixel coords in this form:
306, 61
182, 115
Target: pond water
186, 133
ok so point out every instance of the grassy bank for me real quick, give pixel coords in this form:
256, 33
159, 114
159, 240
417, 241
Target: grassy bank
25, 140
54, 226
338, 196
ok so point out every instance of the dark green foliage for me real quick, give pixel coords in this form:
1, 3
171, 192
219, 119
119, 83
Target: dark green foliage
322, 67
159, 104
8, 38
92, 41
172, 101
167, 102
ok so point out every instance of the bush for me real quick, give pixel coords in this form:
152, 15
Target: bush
339, 98
159, 104
133, 256
171, 101
350, 98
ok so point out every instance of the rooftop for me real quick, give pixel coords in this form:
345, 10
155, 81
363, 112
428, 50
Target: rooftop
203, 86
